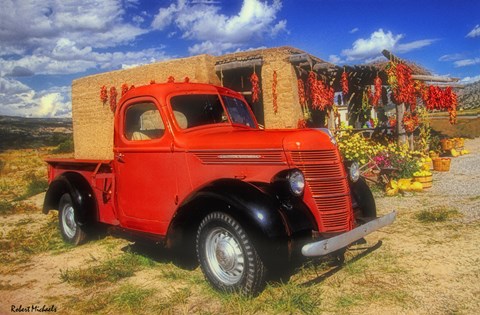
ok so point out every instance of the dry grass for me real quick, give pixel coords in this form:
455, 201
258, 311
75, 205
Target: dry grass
418, 267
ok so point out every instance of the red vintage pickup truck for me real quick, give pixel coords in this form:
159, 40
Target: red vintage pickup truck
193, 171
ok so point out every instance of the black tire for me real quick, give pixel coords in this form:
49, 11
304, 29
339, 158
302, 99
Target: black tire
72, 233
227, 257
364, 198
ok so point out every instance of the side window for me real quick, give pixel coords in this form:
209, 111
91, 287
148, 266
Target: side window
143, 122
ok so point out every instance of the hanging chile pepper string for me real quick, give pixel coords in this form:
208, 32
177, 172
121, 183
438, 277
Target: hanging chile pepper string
113, 98
378, 90
410, 122
301, 93
124, 88
103, 94
274, 92
255, 87
302, 123
344, 82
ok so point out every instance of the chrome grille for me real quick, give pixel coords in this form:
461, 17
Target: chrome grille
328, 185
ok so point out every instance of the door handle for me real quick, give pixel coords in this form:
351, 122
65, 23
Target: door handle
119, 157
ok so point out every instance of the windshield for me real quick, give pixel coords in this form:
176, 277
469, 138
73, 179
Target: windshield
238, 111
193, 110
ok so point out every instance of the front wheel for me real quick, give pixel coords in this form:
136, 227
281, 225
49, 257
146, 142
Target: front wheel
227, 257
71, 232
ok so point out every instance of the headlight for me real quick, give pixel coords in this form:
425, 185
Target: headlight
354, 171
297, 182
289, 182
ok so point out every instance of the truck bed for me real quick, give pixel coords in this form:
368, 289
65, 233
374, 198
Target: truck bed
98, 174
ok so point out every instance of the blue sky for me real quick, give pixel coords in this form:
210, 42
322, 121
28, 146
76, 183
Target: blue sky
44, 44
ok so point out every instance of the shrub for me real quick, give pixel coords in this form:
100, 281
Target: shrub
64, 147
6, 207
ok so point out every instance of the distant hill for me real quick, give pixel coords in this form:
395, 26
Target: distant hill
469, 97
22, 133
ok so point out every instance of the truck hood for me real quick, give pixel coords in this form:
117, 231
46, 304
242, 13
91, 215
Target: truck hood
235, 138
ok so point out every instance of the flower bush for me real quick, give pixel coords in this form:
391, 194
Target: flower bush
355, 147
405, 162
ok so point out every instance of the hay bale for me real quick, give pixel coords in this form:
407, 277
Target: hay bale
93, 120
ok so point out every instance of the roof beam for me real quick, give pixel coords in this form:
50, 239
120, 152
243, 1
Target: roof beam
239, 64
432, 78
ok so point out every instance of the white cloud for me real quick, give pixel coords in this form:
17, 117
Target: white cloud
467, 62
403, 48
475, 32
209, 47
354, 30
451, 57
468, 80
27, 25
279, 27
365, 48
371, 48
10, 86
67, 58
203, 21
335, 59
18, 99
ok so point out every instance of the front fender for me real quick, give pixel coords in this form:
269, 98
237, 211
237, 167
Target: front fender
243, 201
268, 220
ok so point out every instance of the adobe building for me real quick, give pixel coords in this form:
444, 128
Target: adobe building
278, 70
93, 119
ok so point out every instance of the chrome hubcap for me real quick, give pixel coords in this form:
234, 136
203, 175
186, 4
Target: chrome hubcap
68, 221
224, 255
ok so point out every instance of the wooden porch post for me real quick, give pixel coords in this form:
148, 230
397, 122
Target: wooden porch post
401, 134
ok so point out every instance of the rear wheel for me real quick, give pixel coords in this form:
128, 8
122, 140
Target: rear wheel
227, 257
71, 232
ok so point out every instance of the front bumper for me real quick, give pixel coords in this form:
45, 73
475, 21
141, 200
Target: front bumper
335, 243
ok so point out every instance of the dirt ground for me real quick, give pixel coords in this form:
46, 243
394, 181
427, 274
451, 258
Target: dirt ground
410, 267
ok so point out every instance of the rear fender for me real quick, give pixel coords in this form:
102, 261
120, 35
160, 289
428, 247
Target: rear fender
82, 196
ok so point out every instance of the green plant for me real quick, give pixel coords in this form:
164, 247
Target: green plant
110, 270
424, 130
436, 215
435, 144
355, 147
22, 242
130, 297
64, 147
36, 185
6, 207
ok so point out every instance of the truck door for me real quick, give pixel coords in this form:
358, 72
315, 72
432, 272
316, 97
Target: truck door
145, 179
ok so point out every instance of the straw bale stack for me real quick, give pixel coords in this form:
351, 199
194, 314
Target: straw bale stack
93, 120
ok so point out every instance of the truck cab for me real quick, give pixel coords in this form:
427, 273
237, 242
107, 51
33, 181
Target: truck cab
193, 170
